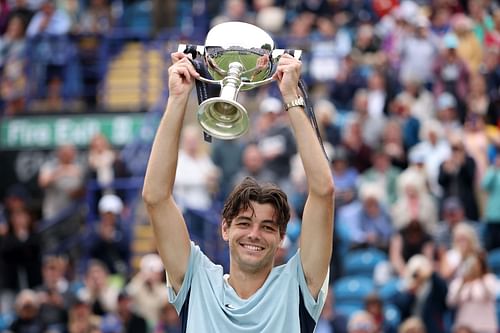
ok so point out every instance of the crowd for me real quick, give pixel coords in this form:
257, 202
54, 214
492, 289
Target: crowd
407, 99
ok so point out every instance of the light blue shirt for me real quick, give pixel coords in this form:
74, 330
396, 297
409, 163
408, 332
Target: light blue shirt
207, 303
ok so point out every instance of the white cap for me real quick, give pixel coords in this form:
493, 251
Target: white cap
110, 203
271, 105
151, 263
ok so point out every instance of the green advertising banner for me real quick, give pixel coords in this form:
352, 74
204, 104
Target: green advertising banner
47, 132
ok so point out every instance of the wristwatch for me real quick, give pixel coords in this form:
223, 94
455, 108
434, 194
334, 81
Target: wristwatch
299, 101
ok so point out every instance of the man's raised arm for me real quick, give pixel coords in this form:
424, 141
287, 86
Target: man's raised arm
317, 219
171, 234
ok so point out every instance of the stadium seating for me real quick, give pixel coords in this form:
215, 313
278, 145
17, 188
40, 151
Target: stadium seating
363, 261
494, 261
352, 289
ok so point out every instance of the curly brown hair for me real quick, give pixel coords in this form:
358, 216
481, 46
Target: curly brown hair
249, 190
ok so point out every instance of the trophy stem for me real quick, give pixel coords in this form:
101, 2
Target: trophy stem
231, 83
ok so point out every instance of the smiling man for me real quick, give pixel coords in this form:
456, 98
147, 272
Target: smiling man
255, 296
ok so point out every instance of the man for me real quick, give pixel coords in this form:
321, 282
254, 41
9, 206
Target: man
254, 296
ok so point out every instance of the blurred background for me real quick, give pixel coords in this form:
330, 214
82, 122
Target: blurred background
407, 99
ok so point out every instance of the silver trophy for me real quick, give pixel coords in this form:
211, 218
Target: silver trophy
238, 56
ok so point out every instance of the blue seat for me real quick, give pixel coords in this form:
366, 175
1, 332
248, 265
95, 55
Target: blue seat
347, 309
352, 289
363, 261
494, 261
392, 317
390, 289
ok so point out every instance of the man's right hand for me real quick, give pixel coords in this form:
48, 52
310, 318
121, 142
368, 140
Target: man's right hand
181, 74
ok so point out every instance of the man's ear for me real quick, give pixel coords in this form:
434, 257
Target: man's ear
224, 230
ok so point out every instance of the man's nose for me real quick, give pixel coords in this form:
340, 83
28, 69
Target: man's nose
254, 231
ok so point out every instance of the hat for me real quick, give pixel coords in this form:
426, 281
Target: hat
110, 203
452, 204
446, 101
450, 41
151, 263
271, 105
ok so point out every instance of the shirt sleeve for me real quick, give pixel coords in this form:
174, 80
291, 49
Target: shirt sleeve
313, 306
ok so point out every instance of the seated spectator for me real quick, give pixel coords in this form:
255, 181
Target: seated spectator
361, 322
369, 223
109, 241
414, 203
400, 111
422, 106
325, 112
409, 241
358, 152
371, 121
61, 180
253, 165
374, 305
447, 115
383, 174
13, 80
168, 321
393, 144
20, 252
21, 9
469, 47
453, 214
476, 142
148, 290
54, 295
345, 177
27, 307
465, 243
412, 325
81, 319
491, 184
130, 321
98, 289
473, 294
424, 295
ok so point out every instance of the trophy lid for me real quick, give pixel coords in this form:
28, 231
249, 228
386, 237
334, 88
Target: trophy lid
239, 34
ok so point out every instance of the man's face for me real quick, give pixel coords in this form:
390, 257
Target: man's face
253, 238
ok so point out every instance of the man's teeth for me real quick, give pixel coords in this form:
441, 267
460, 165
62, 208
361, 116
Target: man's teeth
252, 247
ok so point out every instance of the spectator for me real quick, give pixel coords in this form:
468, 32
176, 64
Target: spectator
366, 46
469, 48
372, 124
345, 176
393, 145
411, 240
20, 251
48, 27
81, 318
478, 101
491, 184
374, 305
98, 290
448, 115
227, 156
253, 165
275, 141
326, 113
473, 294
147, 289
383, 174
130, 320
465, 243
424, 295
476, 143
435, 149
21, 9
369, 223
62, 181
457, 178
349, 79
13, 81
196, 176
451, 73
109, 241
54, 294
361, 322
418, 52
97, 18
400, 111
168, 321
453, 214
412, 325
358, 152
414, 204
422, 106
482, 22
27, 307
